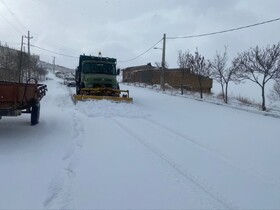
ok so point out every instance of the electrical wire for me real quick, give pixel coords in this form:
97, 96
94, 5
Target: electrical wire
206, 34
53, 43
14, 15
26, 29
50, 51
123, 61
141, 53
18, 30
224, 31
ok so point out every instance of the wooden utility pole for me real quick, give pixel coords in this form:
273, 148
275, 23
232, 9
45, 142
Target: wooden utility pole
29, 57
162, 75
20, 61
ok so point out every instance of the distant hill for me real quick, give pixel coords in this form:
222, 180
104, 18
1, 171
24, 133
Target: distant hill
56, 68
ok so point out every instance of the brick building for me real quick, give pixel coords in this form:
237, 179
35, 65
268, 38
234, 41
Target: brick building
149, 74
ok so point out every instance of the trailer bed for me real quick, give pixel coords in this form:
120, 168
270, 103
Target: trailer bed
17, 98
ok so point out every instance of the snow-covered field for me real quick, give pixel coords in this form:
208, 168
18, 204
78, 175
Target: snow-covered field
161, 152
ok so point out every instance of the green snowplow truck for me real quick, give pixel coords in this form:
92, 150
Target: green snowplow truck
96, 79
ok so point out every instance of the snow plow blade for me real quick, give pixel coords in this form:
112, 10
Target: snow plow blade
103, 94
111, 98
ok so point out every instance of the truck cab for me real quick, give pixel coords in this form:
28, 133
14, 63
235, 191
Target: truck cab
96, 72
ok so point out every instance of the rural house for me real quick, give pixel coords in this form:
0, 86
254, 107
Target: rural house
176, 77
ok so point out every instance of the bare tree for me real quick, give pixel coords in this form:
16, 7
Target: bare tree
260, 66
201, 68
42, 72
37, 71
222, 73
14, 65
8, 63
185, 63
8, 58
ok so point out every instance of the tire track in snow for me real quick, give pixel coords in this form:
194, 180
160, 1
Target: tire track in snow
140, 114
251, 170
61, 189
183, 172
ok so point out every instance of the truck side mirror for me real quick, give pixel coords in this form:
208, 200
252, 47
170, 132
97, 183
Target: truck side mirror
118, 71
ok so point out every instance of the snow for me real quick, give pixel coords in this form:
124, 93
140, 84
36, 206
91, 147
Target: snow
161, 152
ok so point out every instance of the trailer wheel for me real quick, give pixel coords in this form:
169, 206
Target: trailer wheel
35, 114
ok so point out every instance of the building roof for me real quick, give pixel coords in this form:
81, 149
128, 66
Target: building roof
142, 67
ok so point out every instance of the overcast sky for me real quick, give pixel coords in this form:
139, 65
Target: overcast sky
125, 29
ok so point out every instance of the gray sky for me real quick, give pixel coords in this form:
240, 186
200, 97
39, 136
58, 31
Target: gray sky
125, 29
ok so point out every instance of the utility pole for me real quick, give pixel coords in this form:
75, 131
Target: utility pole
20, 61
29, 57
162, 76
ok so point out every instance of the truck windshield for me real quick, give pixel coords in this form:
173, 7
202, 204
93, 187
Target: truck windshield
99, 68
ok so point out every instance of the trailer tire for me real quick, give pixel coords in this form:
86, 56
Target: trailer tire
35, 114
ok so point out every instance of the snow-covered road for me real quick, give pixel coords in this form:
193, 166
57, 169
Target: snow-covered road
161, 152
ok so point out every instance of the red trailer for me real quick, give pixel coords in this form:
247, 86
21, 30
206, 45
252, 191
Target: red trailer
17, 98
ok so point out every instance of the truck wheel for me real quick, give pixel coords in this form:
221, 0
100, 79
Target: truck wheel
77, 90
35, 114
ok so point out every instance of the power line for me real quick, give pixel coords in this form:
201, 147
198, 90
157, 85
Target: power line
13, 14
141, 53
179, 37
206, 34
25, 28
50, 51
11, 24
224, 31
54, 43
